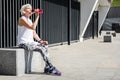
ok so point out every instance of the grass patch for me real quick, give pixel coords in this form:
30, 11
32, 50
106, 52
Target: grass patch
116, 3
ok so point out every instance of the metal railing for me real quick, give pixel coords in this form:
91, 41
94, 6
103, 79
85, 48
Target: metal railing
9, 14
53, 23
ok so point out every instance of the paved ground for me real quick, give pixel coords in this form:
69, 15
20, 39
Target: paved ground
88, 60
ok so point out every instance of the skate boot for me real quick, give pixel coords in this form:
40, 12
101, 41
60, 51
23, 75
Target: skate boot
52, 70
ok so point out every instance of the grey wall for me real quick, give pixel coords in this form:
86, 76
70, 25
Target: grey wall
114, 12
113, 16
92, 28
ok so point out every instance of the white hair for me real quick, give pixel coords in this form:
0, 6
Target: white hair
22, 10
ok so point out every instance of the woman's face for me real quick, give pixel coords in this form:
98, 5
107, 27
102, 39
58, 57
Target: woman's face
28, 12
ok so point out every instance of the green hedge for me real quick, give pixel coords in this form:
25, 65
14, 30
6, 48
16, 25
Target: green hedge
116, 3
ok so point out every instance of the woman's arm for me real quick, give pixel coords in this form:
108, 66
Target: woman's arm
35, 35
22, 22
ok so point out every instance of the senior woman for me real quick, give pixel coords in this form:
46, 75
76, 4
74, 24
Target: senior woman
27, 34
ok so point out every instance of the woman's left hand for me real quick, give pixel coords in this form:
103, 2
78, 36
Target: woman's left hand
44, 42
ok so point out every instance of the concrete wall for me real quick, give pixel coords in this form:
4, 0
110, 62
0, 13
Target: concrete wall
87, 9
103, 10
114, 12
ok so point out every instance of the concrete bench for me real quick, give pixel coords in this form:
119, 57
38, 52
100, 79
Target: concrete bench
107, 35
16, 61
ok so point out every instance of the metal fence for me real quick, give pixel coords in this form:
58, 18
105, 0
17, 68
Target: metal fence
9, 14
53, 23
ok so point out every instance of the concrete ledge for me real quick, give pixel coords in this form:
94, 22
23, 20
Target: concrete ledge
12, 61
108, 35
107, 38
16, 61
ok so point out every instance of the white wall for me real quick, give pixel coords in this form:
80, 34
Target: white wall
103, 10
87, 9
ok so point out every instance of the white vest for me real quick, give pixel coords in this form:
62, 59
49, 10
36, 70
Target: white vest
25, 35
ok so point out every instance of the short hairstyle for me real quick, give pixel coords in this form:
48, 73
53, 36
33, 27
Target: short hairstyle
25, 6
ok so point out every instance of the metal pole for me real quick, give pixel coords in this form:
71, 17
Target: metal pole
0, 23
69, 21
41, 19
93, 25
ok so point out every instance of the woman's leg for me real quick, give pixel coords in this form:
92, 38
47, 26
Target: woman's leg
49, 68
43, 49
44, 53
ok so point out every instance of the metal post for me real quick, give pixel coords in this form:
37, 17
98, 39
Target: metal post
41, 19
93, 25
0, 23
69, 21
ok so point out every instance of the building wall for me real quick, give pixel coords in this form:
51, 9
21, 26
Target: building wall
92, 28
87, 9
103, 11
112, 20
114, 12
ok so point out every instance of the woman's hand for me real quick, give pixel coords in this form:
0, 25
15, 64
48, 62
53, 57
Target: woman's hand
36, 12
43, 42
